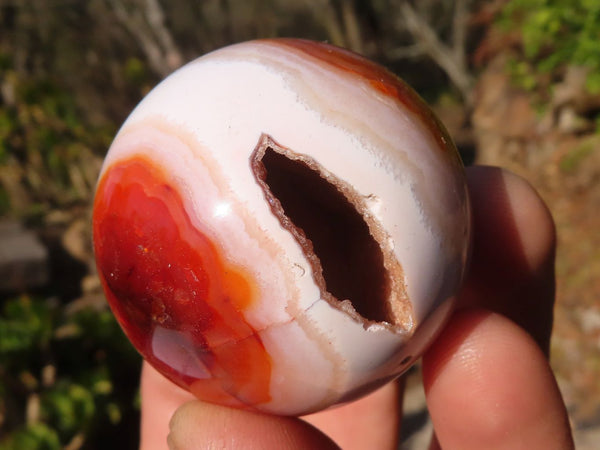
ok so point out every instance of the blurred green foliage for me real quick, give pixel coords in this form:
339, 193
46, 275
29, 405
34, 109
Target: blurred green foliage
35, 436
47, 146
555, 34
66, 375
572, 161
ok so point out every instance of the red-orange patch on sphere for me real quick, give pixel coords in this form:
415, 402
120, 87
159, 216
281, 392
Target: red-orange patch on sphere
177, 301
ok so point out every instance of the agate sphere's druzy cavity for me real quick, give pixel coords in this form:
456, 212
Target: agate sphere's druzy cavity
281, 225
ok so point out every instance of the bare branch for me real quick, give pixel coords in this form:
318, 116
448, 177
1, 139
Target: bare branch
351, 26
340, 20
408, 51
444, 56
146, 23
324, 12
156, 20
459, 31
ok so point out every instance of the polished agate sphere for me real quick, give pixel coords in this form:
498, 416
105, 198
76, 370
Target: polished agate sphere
281, 225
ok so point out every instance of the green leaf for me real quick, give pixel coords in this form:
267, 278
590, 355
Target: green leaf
32, 437
26, 325
70, 406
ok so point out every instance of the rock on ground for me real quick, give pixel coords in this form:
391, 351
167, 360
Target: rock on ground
23, 259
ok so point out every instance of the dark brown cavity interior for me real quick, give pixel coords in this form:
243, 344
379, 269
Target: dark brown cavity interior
350, 258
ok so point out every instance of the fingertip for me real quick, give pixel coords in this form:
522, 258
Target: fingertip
372, 421
509, 205
203, 425
178, 436
488, 385
160, 399
514, 241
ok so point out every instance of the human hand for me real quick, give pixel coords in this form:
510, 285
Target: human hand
487, 379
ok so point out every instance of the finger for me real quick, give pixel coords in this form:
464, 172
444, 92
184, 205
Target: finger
203, 425
512, 268
488, 385
371, 422
160, 399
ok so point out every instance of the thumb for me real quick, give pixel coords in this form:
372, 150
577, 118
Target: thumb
203, 425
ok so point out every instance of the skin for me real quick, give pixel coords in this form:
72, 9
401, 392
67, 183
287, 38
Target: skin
487, 378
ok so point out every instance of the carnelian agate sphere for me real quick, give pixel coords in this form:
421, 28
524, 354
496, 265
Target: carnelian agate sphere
281, 225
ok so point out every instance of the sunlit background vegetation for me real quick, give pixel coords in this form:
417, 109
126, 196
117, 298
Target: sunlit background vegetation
70, 72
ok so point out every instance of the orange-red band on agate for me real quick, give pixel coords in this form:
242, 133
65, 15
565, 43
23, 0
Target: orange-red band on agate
165, 278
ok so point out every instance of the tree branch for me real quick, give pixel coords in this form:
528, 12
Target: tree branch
156, 19
459, 31
444, 56
351, 26
146, 23
407, 51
